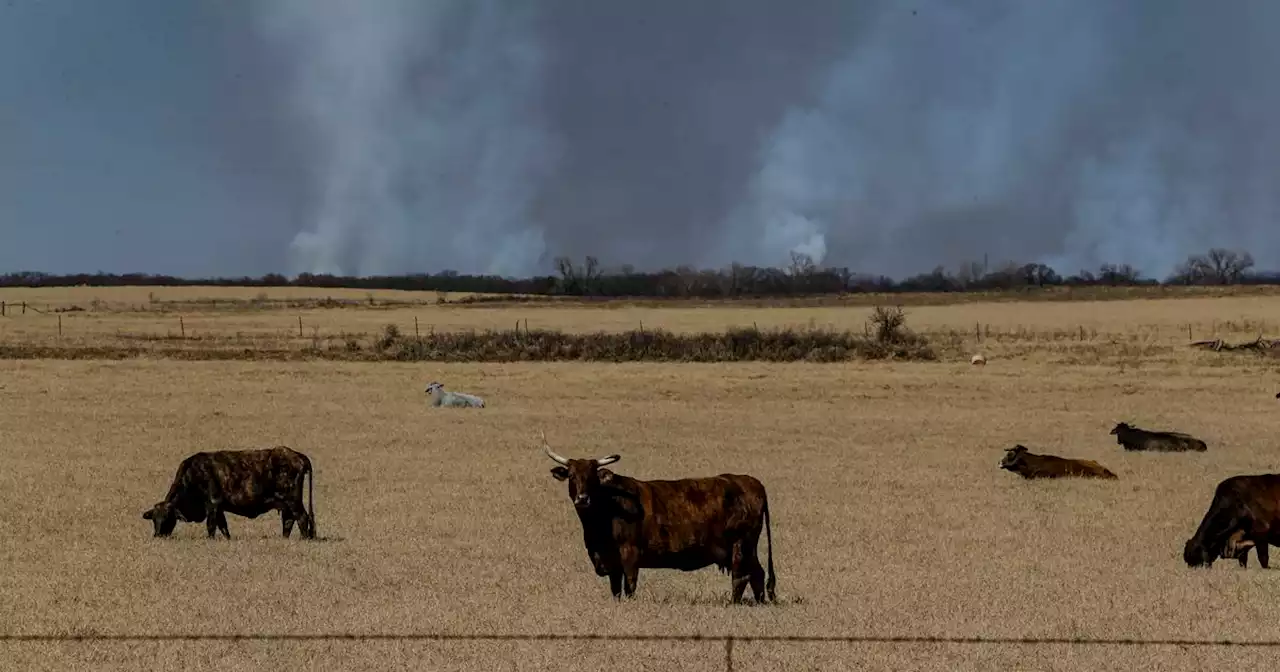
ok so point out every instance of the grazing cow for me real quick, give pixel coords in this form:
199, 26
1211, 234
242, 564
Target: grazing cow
1244, 514
1133, 438
685, 524
1029, 465
443, 397
248, 483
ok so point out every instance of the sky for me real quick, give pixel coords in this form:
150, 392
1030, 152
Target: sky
206, 138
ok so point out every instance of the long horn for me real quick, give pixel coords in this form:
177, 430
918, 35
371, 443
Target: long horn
551, 453
608, 460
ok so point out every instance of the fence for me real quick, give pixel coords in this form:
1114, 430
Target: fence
727, 640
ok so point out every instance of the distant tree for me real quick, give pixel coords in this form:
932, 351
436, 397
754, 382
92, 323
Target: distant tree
1218, 266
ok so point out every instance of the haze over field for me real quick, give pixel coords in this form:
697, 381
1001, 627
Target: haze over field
207, 138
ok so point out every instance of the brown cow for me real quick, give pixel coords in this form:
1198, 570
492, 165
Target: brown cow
247, 483
1029, 465
684, 524
1133, 438
1244, 514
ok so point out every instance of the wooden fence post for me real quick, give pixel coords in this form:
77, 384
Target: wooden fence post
299, 326
59, 325
182, 327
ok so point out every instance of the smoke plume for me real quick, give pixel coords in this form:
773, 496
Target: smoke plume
428, 118
489, 136
1075, 133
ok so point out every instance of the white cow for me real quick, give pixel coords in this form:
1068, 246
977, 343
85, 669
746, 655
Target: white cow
443, 397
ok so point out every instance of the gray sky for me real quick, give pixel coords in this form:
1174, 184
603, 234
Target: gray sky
386, 136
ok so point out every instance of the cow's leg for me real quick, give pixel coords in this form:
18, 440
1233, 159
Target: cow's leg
211, 517
1264, 555
286, 520
615, 583
736, 570
222, 523
630, 570
756, 575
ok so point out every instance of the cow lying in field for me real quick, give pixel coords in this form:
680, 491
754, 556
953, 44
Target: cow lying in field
442, 397
248, 483
1133, 438
1244, 514
1030, 465
685, 524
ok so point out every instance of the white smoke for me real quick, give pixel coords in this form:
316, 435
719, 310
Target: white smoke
433, 147
1035, 131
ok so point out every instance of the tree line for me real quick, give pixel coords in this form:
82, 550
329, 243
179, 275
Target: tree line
801, 276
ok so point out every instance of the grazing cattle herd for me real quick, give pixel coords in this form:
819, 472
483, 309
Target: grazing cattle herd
689, 523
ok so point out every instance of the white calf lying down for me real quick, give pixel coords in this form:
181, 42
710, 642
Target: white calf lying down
443, 397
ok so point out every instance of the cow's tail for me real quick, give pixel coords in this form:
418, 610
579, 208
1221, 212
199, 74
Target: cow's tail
771, 584
311, 504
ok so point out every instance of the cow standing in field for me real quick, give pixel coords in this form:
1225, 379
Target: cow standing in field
685, 524
1030, 465
1133, 438
248, 483
1244, 514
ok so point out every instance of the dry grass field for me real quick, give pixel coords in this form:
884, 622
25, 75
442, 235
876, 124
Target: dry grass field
890, 517
187, 321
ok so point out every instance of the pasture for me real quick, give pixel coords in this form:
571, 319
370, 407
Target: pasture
890, 516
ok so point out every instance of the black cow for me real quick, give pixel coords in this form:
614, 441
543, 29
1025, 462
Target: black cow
1133, 438
247, 483
1244, 514
685, 524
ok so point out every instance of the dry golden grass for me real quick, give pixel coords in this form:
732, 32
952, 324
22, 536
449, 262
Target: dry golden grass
1111, 331
890, 516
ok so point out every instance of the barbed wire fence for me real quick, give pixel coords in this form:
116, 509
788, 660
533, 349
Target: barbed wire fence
727, 641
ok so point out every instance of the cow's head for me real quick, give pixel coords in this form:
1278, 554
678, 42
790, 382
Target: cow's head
1196, 555
1014, 457
433, 386
164, 516
584, 476
1120, 426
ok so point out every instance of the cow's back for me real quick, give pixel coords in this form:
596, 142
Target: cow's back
699, 518
251, 480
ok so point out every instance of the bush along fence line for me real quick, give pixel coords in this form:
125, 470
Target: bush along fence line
886, 337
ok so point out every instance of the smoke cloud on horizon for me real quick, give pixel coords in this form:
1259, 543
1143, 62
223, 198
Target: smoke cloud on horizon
482, 136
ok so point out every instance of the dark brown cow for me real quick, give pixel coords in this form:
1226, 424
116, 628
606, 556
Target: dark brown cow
1030, 465
1133, 438
248, 483
685, 524
1244, 514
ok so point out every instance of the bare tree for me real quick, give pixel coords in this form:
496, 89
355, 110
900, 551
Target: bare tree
1216, 267
801, 269
1118, 274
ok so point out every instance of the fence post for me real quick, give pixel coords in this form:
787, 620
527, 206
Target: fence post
24, 307
299, 326
59, 325
182, 327
1, 308
728, 653
415, 327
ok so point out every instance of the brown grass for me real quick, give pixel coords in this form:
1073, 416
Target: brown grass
186, 325
890, 516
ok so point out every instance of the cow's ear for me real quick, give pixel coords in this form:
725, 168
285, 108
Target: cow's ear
560, 473
148, 514
606, 476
